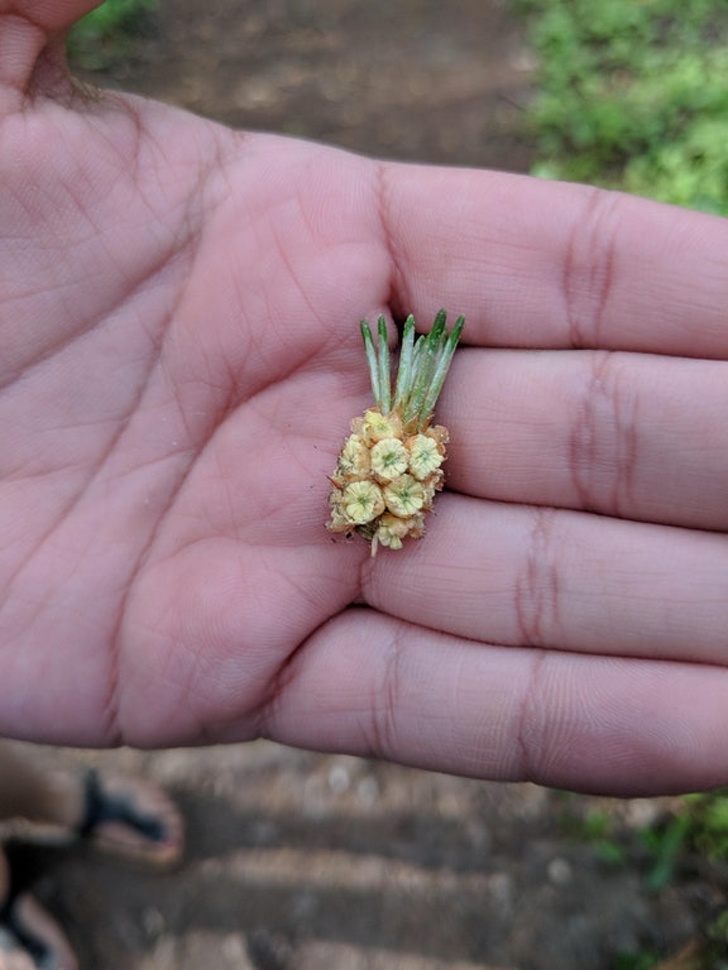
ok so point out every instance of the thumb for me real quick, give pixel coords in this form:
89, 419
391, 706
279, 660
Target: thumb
32, 47
50, 16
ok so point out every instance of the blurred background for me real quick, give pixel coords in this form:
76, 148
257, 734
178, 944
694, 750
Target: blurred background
298, 860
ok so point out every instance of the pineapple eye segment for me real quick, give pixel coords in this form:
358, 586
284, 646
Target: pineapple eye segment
362, 502
354, 457
404, 496
389, 459
424, 456
375, 426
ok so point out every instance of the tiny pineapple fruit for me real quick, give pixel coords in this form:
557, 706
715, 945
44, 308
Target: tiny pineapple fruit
389, 468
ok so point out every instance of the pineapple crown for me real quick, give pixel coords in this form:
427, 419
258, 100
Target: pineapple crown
423, 366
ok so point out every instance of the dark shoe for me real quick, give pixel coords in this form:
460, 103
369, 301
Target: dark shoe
133, 819
30, 939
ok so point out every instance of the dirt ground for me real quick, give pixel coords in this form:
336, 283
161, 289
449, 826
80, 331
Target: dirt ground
301, 861
414, 79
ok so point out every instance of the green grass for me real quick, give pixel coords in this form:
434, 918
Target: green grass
109, 32
633, 95
688, 840
644, 960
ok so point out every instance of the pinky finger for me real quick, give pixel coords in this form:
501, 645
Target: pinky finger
373, 686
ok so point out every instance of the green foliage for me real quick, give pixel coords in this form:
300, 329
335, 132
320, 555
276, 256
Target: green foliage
644, 960
718, 942
598, 829
666, 844
109, 32
633, 95
699, 825
708, 813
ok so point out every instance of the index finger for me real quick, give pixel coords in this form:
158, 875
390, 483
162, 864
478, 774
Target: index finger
531, 263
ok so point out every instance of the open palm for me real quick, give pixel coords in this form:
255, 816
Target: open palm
179, 360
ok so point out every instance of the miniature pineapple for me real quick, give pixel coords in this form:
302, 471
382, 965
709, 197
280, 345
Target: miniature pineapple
389, 468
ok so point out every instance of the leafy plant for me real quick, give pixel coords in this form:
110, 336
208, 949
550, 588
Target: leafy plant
597, 828
708, 813
632, 96
699, 824
643, 960
108, 32
666, 844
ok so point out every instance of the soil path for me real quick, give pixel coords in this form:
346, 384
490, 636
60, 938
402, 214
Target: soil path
414, 79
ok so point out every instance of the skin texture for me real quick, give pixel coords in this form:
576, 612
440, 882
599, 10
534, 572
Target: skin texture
179, 360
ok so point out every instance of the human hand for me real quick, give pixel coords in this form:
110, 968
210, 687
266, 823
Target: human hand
180, 360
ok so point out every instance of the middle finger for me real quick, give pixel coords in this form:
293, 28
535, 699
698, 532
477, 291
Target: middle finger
524, 576
633, 435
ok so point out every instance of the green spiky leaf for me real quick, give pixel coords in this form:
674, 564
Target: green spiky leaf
423, 366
